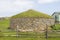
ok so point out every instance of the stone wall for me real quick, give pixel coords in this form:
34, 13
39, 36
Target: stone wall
1, 19
31, 24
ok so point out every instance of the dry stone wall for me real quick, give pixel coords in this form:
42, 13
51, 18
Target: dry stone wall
31, 24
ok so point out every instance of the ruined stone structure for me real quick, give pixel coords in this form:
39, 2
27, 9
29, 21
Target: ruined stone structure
31, 24
31, 21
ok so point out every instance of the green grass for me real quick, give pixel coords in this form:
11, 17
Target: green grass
56, 27
4, 24
27, 38
19, 38
15, 38
31, 13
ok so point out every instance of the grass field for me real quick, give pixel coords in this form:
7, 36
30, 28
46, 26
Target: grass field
14, 38
19, 38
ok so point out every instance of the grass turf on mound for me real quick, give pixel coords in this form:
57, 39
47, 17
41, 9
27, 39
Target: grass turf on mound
31, 13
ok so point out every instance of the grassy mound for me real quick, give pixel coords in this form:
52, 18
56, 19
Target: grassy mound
31, 13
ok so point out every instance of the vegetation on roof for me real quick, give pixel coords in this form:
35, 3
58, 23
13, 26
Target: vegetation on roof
31, 13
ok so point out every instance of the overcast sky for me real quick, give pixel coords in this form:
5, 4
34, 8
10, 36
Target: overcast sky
12, 7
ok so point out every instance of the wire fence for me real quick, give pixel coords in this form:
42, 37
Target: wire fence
49, 34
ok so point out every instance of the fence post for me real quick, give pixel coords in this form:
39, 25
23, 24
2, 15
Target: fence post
17, 31
46, 31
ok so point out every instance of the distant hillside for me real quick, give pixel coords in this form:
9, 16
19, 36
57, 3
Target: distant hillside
31, 13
